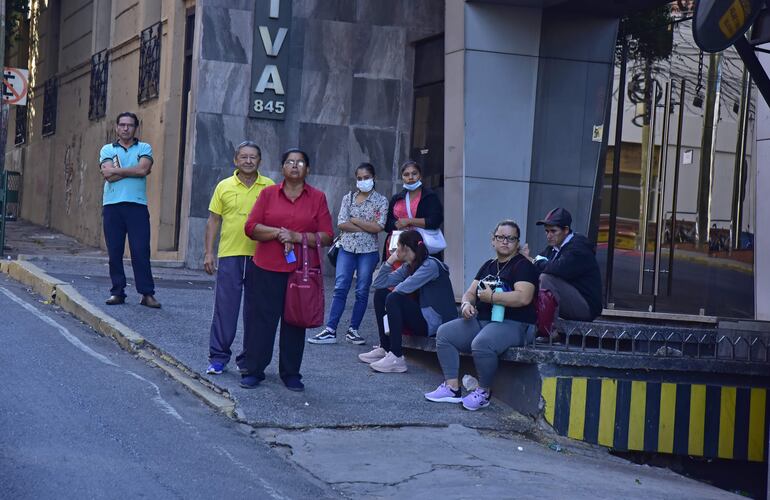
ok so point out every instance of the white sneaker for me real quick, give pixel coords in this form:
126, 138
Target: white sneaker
375, 354
389, 364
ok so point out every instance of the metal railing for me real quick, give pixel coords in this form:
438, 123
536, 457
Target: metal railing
745, 347
97, 103
149, 63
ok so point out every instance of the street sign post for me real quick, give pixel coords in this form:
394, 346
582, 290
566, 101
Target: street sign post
15, 86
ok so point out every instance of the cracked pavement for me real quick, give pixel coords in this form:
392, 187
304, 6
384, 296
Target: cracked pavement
456, 462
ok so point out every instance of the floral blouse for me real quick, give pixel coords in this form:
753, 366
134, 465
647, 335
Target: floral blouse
374, 208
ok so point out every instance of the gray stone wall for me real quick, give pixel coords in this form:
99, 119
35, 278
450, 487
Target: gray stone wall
349, 94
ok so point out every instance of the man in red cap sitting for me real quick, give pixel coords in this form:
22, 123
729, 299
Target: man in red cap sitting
568, 269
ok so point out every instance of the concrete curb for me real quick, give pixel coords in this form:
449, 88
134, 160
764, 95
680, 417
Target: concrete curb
34, 277
69, 299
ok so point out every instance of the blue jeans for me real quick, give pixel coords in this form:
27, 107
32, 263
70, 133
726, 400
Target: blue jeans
363, 265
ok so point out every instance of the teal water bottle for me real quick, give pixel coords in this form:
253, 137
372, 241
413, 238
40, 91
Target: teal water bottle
498, 310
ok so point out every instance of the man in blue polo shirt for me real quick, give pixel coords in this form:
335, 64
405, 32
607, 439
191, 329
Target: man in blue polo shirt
125, 165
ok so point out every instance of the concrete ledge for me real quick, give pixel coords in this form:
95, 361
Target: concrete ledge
34, 277
597, 359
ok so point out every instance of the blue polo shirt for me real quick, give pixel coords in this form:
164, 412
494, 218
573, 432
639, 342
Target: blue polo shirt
128, 189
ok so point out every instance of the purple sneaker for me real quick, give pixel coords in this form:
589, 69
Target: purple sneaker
444, 394
479, 398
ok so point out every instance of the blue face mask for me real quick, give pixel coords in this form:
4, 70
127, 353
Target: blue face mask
413, 186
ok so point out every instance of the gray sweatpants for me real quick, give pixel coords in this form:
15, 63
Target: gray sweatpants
485, 339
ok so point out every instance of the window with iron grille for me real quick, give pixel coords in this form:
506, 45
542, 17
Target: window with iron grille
49, 106
97, 104
149, 63
20, 136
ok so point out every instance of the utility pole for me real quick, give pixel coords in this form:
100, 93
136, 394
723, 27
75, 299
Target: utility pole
708, 149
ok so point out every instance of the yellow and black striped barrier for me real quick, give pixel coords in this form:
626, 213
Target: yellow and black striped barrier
683, 419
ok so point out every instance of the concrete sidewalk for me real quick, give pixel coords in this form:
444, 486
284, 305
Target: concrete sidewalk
363, 433
340, 390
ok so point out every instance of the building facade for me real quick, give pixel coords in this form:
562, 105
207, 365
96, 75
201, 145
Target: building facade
509, 105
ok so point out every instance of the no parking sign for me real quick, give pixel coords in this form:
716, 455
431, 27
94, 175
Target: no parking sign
15, 86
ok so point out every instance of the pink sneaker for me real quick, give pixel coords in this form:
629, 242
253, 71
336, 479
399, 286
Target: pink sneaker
444, 394
479, 398
389, 364
375, 354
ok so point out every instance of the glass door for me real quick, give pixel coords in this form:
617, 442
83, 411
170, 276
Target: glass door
675, 227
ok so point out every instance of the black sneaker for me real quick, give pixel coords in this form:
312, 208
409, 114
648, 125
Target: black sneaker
353, 337
327, 336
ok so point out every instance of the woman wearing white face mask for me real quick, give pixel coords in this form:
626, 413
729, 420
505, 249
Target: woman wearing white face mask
424, 209
362, 216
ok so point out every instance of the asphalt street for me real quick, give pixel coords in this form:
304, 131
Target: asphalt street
80, 418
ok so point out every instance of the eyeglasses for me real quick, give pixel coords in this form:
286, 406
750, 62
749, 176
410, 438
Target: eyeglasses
291, 163
126, 125
505, 239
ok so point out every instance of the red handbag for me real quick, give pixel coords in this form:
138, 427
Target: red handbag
546, 313
304, 302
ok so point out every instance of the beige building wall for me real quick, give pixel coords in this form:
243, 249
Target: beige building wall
62, 187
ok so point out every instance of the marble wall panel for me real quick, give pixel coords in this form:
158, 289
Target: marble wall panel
268, 136
297, 42
227, 35
379, 13
328, 148
205, 180
328, 45
376, 103
374, 146
333, 10
424, 14
216, 137
406, 110
290, 130
380, 52
326, 97
196, 229
223, 87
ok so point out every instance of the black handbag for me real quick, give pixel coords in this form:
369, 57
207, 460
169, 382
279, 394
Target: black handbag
334, 250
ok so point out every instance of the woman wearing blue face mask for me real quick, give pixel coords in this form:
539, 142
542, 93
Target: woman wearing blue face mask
362, 216
423, 211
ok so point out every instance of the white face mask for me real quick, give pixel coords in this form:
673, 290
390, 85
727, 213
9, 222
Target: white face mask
365, 186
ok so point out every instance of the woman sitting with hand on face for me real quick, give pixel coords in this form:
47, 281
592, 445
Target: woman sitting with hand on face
425, 276
498, 312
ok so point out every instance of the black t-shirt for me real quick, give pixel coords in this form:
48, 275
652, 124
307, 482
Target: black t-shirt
515, 270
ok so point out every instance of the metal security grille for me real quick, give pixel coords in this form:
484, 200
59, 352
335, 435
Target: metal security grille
97, 104
149, 63
49, 106
20, 136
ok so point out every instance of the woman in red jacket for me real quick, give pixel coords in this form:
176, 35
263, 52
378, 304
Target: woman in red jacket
282, 215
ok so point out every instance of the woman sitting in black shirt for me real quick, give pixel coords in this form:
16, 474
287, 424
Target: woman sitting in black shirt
509, 281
